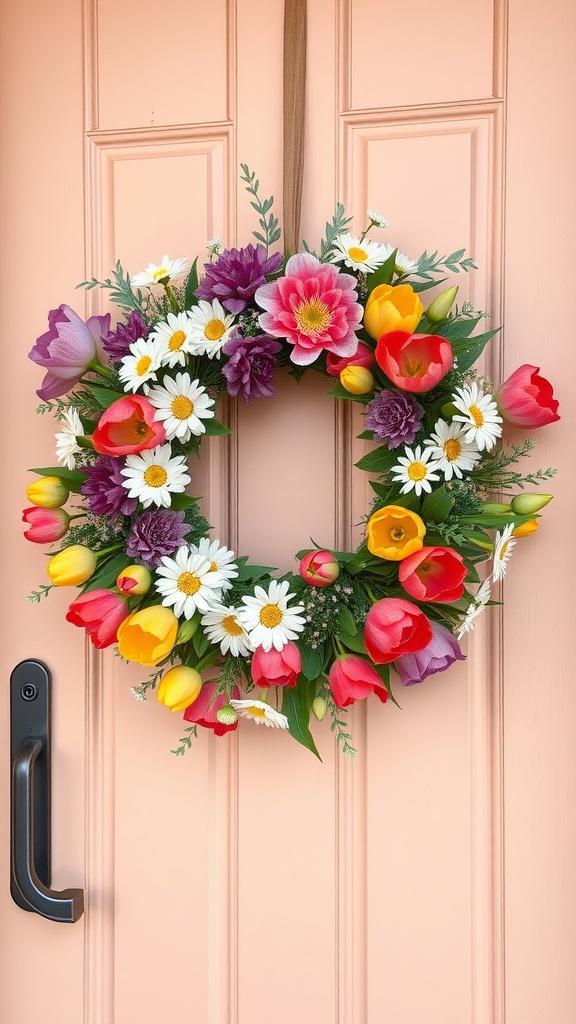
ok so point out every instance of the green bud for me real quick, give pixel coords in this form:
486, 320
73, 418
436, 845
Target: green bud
439, 309
319, 706
528, 504
226, 715
187, 629
448, 410
496, 508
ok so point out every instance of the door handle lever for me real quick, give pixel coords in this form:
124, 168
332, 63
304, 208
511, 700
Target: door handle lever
30, 759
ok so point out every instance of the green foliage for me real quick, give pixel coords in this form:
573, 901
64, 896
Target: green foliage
297, 705
430, 264
268, 222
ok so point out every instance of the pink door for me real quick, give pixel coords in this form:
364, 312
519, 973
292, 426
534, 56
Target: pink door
431, 879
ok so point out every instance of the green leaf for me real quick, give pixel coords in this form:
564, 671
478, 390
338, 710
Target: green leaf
340, 392
182, 501
384, 274
353, 643
214, 428
105, 396
73, 478
384, 673
296, 705
200, 642
190, 299
423, 286
312, 661
346, 621
436, 505
106, 574
253, 572
468, 350
378, 461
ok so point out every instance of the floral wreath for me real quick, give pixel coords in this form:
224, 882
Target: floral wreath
139, 398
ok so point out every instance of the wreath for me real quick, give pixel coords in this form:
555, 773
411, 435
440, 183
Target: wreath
135, 400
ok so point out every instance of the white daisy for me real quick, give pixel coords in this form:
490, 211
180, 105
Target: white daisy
260, 713
358, 254
503, 545
415, 471
215, 247
402, 263
479, 603
267, 618
221, 626
166, 271
174, 339
479, 413
377, 219
141, 365
211, 327
181, 405
452, 452
188, 583
221, 558
153, 475
66, 444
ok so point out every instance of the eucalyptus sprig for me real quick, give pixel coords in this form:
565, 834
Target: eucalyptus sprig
431, 264
268, 222
186, 741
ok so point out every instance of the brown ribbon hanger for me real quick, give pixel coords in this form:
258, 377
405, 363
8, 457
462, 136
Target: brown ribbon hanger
293, 132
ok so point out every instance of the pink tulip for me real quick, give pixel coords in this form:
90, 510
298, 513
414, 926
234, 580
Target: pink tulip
527, 400
395, 627
203, 710
434, 574
67, 349
276, 668
363, 356
352, 678
46, 524
101, 613
319, 568
127, 427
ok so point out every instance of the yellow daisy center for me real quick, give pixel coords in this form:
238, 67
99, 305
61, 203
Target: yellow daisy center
214, 330
397, 533
188, 583
503, 550
312, 316
230, 624
182, 407
270, 616
176, 341
155, 476
143, 365
358, 255
417, 470
159, 273
255, 712
476, 414
452, 449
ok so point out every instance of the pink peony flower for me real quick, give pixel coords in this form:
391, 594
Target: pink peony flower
276, 668
67, 349
352, 678
314, 307
527, 400
127, 427
101, 613
395, 627
203, 710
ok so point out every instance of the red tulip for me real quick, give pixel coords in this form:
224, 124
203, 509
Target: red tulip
203, 710
46, 525
352, 678
526, 400
433, 574
395, 627
128, 427
414, 362
364, 357
276, 668
101, 613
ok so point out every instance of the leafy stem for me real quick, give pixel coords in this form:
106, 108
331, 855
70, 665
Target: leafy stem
267, 221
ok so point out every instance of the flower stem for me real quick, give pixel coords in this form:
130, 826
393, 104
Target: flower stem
172, 299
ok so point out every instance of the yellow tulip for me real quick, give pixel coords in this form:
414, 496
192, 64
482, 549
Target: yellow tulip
134, 581
392, 308
72, 566
48, 492
147, 636
526, 529
394, 533
357, 380
179, 687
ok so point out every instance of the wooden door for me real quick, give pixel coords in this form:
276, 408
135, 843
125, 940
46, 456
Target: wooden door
432, 878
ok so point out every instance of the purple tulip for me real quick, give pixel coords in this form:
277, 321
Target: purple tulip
442, 651
67, 349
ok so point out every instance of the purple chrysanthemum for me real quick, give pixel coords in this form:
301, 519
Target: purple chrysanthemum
117, 343
394, 417
236, 275
156, 533
250, 366
105, 488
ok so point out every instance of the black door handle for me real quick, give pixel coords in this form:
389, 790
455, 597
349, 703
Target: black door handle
30, 758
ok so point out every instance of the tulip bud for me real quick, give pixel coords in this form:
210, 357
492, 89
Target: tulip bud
179, 687
134, 581
46, 525
357, 380
529, 504
319, 707
438, 309
526, 529
187, 629
227, 715
72, 566
496, 508
319, 568
48, 492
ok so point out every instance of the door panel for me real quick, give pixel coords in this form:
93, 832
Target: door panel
248, 881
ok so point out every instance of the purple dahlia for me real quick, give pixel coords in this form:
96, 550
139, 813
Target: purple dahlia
156, 533
117, 343
394, 417
236, 275
250, 365
105, 488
